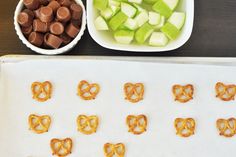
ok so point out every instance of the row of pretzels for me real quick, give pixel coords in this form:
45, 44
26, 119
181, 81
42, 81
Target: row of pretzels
133, 91
137, 124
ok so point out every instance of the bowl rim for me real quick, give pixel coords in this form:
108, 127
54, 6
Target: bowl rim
136, 49
61, 50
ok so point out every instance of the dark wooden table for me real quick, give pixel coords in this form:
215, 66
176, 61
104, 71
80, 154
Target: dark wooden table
214, 33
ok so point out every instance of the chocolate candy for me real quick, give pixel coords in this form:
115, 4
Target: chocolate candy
65, 39
76, 11
27, 30
63, 14
65, 3
56, 28
40, 26
24, 19
72, 30
54, 5
31, 4
50, 23
46, 14
36, 39
52, 41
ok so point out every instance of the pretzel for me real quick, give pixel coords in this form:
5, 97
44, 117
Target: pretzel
114, 150
87, 124
134, 92
225, 92
39, 124
226, 127
41, 91
185, 127
86, 92
183, 93
61, 148
137, 124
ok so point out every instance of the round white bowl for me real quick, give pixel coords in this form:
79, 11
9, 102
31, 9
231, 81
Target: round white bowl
49, 51
106, 40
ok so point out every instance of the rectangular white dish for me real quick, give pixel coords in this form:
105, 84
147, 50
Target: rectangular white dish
106, 40
158, 76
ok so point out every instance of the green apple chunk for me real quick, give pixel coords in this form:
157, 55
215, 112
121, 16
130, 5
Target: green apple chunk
138, 7
128, 9
131, 24
135, 1
124, 36
142, 18
158, 39
100, 24
107, 13
172, 4
154, 18
170, 31
117, 20
114, 3
143, 33
150, 1
100, 4
177, 19
162, 8
161, 24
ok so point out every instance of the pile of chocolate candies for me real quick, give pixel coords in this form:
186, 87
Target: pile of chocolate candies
50, 24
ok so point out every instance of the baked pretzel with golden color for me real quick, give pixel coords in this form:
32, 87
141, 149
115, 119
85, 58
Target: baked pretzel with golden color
88, 91
41, 91
134, 92
39, 124
87, 124
137, 124
226, 127
225, 92
61, 147
114, 150
183, 94
185, 127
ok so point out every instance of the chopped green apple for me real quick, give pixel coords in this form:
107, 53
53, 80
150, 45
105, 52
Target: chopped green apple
124, 36
158, 39
138, 7
128, 9
135, 1
161, 24
154, 18
162, 8
131, 24
170, 31
117, 20
115, 9
107, 13
114, 3
142, 18
100, 4
100, 24
177, 19
143, 33
172, 4
150, 1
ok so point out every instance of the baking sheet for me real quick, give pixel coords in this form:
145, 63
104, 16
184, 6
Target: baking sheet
16, 105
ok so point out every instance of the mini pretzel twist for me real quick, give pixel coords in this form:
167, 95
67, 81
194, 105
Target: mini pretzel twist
183, 93
134, 92
114, 150
61, 148
137, 124
41, 91
39, 124
185, 127
225, 92
86, 92
226, 127
87, 124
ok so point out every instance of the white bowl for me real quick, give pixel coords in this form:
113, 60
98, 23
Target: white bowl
106, 39
49, 51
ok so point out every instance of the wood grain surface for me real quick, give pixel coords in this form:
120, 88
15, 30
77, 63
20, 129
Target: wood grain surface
214, 33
